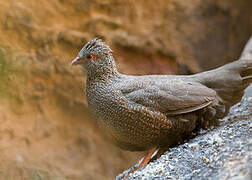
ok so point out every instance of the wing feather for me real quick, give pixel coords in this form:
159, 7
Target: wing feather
171, 97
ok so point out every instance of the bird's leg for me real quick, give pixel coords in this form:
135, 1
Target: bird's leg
147, 158
158, 154
143, 163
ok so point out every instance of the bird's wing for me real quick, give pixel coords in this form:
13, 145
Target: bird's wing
171, 97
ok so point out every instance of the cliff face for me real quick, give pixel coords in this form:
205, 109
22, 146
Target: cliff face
46, 129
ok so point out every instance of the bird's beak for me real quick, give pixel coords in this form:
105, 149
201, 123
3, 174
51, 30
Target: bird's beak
76, 61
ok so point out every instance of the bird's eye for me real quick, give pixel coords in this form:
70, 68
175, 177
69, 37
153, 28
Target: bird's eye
91, 57
88, 56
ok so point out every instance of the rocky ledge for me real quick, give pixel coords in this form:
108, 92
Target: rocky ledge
223, 152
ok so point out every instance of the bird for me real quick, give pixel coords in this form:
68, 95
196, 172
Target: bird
153, 112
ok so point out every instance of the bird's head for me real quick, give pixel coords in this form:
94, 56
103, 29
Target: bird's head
96, 57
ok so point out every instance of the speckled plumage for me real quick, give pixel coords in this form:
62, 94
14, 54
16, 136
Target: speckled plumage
142, 112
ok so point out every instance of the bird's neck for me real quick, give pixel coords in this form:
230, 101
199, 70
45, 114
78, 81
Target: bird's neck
103, 72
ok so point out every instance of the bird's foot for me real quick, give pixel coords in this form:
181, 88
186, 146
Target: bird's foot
151, 155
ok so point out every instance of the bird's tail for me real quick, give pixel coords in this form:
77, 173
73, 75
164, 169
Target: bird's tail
229, 81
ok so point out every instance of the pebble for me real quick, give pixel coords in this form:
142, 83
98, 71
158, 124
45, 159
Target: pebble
205, 159
194, 146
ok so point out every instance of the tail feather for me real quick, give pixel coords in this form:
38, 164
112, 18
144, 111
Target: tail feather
244, 68
247, 80
246, 72
246, 76
229, 81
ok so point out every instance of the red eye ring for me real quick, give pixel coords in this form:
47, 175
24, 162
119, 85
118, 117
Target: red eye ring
91, 57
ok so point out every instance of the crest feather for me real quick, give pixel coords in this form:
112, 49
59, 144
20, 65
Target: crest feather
96, 46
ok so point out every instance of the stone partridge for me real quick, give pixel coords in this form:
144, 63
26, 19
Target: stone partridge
149, 112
